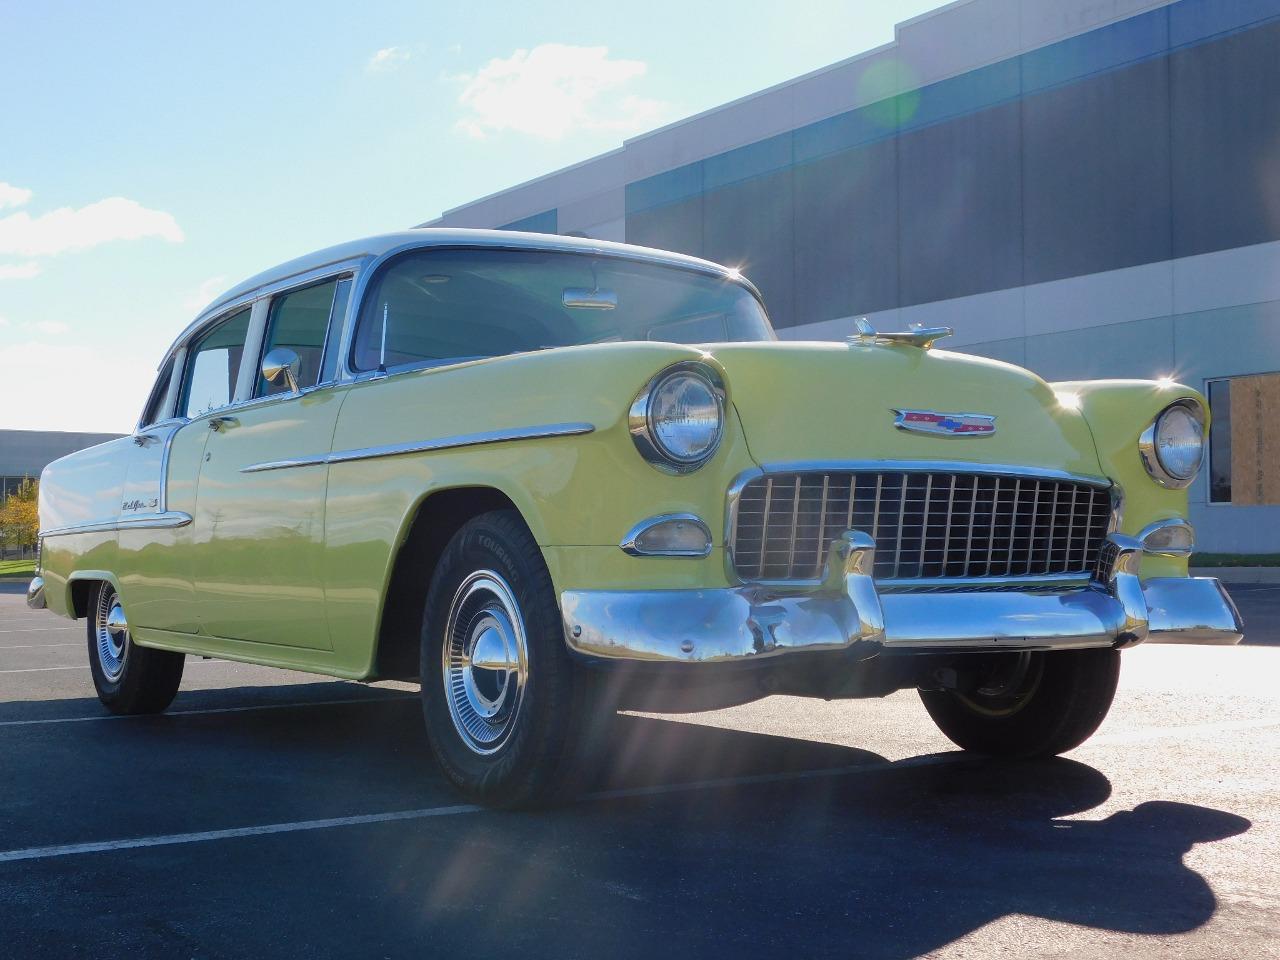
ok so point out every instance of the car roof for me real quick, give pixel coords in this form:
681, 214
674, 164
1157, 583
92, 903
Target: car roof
385, 243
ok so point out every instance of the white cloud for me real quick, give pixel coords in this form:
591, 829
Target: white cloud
11, 196
4, 321
554, 89
51, 327
19, 271
67, 229
203, 295
388, 58
84, 405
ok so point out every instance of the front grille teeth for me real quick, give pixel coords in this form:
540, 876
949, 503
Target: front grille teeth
926, 524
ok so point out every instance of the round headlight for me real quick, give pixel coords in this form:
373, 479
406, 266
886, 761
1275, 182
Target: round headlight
678, 419
1173, 446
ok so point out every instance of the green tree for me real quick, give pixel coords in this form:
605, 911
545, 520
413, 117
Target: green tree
19, 518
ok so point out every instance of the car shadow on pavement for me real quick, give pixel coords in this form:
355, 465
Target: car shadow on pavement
774, 846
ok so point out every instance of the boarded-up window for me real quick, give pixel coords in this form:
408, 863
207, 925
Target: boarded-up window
1245, 442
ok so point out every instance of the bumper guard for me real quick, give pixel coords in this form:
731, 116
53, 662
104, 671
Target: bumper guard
847, 611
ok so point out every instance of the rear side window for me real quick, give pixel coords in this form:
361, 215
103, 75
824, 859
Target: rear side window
300, 321
153, 412
445, 306
213, 364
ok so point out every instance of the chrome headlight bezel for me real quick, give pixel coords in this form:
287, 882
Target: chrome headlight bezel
640, 418
1149, 448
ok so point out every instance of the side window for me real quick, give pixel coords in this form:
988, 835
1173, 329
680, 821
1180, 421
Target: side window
299, 320
153, 413
213, 363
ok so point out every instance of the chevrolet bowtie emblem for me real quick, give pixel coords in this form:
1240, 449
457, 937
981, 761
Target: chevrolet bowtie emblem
945, 424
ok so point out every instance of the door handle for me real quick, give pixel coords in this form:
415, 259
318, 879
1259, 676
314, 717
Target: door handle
217, 423
143, 439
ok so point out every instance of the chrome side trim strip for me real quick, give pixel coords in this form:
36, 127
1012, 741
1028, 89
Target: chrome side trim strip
426, 446
172, 518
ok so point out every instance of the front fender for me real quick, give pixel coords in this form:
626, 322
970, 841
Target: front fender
1117, 411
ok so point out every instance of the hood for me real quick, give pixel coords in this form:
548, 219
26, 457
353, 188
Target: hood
834, 401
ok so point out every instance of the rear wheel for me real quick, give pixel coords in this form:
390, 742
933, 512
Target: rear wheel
129, 679
501, 698
1029, 704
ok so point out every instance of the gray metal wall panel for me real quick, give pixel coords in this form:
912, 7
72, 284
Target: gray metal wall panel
1226, 142
846, 233
674, 226
750, 225
1209, 344
1140, 348
1096, 174
960, 206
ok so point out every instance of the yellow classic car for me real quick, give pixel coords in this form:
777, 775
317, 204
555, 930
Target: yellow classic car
550, 476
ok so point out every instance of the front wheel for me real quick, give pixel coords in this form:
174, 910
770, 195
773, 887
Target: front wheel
501, 698
1029, 704
129, 679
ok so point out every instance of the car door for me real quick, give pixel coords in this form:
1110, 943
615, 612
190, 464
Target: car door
158, 500
260, 505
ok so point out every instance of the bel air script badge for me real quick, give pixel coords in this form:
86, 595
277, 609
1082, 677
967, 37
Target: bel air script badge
945, 424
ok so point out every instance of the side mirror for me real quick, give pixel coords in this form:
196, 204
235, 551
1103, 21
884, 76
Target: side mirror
282, 365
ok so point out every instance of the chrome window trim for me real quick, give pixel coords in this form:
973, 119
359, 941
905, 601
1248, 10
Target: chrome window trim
1151, 528
224, 308
208, 327
175, 518
375, 264
334, 321
739, 482
425, 446
628, 543
1150, 456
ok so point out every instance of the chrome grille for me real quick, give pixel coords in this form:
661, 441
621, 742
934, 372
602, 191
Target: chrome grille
926, 524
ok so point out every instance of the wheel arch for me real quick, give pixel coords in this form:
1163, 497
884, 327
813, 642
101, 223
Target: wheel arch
80, 587
427, 531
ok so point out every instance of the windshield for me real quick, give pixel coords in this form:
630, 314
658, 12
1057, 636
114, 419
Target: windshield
443, 306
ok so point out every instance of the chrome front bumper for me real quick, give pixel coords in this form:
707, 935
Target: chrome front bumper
35, 594
847, 611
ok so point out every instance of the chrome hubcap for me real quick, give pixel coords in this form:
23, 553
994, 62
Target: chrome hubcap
111, 631
485, 661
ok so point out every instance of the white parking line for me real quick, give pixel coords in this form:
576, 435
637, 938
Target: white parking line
52, 629
71, 849
37, 646
103, 846
84, 666
211, 710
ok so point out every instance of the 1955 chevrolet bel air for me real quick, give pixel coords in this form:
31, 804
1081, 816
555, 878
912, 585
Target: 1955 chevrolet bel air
549, 476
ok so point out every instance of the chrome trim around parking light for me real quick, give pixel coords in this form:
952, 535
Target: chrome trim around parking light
630, 546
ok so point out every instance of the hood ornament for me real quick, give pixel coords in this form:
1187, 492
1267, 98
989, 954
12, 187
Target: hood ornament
914, 336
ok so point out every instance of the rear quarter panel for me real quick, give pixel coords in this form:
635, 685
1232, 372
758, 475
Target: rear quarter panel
85, 487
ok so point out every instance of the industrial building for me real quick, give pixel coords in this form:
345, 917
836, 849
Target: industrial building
24, 453
1089, 189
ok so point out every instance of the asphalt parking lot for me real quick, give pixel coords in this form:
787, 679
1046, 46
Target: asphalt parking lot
278, 814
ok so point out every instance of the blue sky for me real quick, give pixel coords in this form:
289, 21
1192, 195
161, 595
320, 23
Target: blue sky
153, 154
